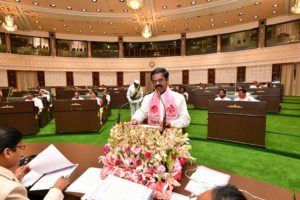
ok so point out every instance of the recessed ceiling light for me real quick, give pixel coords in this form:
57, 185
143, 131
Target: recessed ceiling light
83, 9
164, 26
125, 10
275, 5
94, 1
175, 30
255, 17
240, 20
135, 28
225, 22
36, 21
90, 27
98, 10
35, 3
68, 30
186, 18
193, 2
54, 29
211, 19
121, 0
80, 31
111, 23
65, 25
69, 7
164, 7
52, 5
240, 14
104, 32
186, 24
257, 3
199, 27
18, 0
274, 12
208, 0
212, 25
39, 27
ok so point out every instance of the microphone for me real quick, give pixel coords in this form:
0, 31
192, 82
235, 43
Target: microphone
125, 104
164, 124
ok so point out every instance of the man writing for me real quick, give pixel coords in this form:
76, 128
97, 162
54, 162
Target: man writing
162, 104
134, 96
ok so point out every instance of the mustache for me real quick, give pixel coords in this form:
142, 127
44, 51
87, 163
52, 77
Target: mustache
157, 86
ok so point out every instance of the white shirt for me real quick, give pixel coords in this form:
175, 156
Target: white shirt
107, 98
183, 119
224, 99
131, 91
247, 98
79, 98
37, 103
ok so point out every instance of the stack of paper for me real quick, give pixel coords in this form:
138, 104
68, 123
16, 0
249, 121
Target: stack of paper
116, 188
50, 164
204, 179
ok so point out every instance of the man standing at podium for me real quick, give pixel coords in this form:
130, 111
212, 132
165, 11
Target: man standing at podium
163, 107
135, 96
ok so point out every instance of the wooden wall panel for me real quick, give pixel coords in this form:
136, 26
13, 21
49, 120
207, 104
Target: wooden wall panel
241, 74
185, 76
69, 78
143, 78
211, 76
96, 79
41, 78
276, 72
119, 78
12, 78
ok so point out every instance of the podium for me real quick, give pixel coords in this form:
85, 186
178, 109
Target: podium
77, 116
20, 115
237, 121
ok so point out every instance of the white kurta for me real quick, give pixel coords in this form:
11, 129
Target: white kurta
247, 98
135, 104
224, 99
183, 119
37, 103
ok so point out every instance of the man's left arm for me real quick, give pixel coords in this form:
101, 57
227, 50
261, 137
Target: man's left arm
183, 119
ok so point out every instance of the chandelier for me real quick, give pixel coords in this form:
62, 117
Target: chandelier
146, 33
296, 8
135, 4
9, 24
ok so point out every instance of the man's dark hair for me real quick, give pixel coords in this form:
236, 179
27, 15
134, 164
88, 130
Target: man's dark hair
223, 90
242, 90
160, 70
9, 138
228, 192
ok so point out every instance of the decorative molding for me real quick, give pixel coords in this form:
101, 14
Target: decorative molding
253, 57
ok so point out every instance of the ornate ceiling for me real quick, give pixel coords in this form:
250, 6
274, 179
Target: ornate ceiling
115, 18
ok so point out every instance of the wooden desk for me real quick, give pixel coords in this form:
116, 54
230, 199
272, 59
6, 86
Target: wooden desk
77, 116
202, 96
20, 115
118, 98
87, 156
237, 121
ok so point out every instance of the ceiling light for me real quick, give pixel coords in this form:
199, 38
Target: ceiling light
186, 18
65, 25
68, 30
225, 22
135, 4
211, 19
125, 10
193, 2
164, 7
36, 21
90, 27
175, 30
35, 3
83, 9
255, 17
199, 27
208, 0
121, 0
240, 14
94, 1
111, 23
54, 29
98, 10
275, 5
18, 0
240, 20
212, 25
186, 24
296, 8
80, 31
164, 26
39, 27
69, 7
9, 24
104, 32
257, 3
147, 33
274, 12
52, 5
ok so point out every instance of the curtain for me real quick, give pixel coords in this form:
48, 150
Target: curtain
290, 78
26, 80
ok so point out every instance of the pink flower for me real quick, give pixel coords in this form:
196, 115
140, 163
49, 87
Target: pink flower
161, 169
182, 161
138, 162
147, 155
127, 149
117, 162
106, 148
137, 151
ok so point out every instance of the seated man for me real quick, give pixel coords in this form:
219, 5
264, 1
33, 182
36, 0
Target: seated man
243, 97
228, 192
163, 106
37, 102
184, 93
222, 96
255, 85
77, 96
44, 93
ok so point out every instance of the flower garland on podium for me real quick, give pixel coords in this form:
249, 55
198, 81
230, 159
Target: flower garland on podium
144, 155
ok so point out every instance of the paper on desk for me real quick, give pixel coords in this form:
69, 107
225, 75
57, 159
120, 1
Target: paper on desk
204, 179
116, 188
47, 181
88, 181
49, 160
30, 178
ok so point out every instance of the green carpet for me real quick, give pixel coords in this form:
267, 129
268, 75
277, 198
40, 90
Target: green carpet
278, 163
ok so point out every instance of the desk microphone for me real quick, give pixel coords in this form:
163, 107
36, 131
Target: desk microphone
125, 104
164, 124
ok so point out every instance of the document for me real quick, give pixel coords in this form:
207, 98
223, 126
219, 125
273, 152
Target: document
49, 160
204, 179
116, 188
176, 196
87, 182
